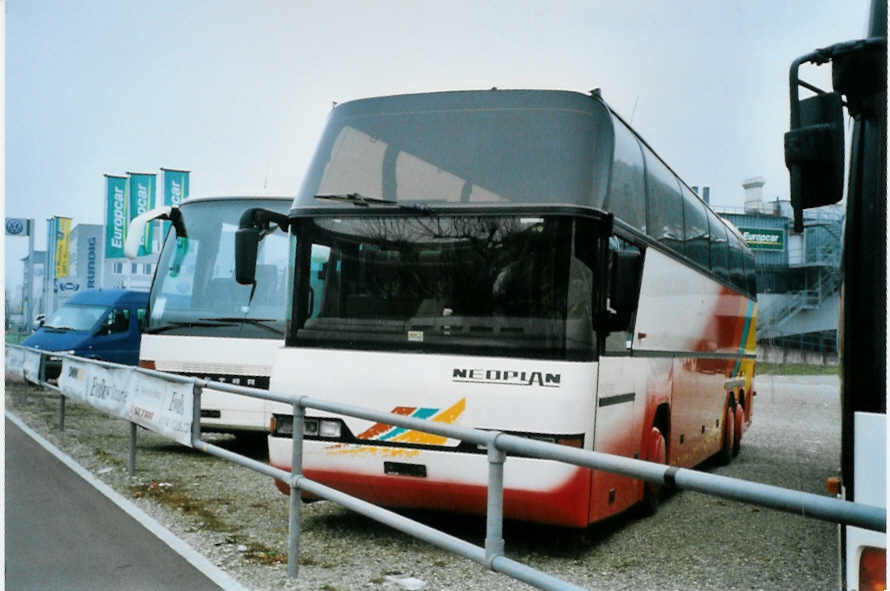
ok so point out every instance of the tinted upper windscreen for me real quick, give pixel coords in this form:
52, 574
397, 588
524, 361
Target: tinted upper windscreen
470, 147
195, 292
496, 285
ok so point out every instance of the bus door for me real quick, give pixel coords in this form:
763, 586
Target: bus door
621, 400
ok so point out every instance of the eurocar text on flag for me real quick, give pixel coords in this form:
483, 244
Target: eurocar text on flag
115, 215
176, 189
141, 198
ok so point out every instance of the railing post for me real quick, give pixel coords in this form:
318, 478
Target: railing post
132, 462
494, 527
61, 412
197, 389
296, 469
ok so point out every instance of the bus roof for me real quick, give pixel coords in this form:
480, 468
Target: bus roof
193, 199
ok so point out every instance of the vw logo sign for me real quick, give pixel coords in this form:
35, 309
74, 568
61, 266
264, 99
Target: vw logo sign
15, 226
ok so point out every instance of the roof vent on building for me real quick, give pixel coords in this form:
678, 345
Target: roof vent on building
753, 194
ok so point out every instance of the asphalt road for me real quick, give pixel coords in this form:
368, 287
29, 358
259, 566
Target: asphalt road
61, 533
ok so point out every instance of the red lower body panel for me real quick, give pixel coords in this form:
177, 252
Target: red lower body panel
567, 505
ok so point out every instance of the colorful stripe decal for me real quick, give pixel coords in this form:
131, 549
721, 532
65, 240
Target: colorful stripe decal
749, 313
384, 432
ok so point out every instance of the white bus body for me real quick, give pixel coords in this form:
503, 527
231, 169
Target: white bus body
202, 323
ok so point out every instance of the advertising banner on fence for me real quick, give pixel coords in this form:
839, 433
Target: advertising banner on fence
176, 189
63, 247
141, 198
31, 366
162, 406
105, 388
157, 404
15, 362
115, 215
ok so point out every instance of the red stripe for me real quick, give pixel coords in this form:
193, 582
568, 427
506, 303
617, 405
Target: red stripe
566, 505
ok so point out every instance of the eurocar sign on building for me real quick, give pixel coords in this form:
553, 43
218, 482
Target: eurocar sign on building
763, 239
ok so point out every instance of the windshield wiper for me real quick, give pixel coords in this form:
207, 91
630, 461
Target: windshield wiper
360, 200
254, 321
184, 324
59, 328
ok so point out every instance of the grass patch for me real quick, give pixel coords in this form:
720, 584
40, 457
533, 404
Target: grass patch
796, 369
169, 495
259, 554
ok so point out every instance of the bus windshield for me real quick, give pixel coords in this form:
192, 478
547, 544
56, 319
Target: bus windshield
490, 147
490, 285
194, 291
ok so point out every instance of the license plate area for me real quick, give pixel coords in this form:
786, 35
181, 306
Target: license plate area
404, 469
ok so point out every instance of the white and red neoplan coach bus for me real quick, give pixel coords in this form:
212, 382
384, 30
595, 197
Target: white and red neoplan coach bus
518, 261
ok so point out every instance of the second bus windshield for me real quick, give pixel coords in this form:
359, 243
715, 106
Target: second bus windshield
195, 292
494, 285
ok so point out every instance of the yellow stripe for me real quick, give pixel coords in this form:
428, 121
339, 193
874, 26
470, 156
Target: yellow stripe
448, 416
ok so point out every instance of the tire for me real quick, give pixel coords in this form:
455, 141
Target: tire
738, 427
725, 454
656, 451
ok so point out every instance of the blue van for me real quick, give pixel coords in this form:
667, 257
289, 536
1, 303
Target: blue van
99, 324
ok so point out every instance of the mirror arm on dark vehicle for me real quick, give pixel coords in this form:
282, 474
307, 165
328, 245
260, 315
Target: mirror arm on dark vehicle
814, 145
253, 223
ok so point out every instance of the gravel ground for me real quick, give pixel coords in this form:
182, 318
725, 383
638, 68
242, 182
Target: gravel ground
238, 519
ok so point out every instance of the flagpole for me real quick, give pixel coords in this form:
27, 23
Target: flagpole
29, 278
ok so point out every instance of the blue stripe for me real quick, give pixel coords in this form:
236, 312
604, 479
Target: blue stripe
420, 413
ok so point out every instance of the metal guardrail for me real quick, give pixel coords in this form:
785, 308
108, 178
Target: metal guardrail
498, 445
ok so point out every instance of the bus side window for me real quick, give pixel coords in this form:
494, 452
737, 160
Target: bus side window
696, 224
617, 339
719, 249
141, 318
736, 263
664, 204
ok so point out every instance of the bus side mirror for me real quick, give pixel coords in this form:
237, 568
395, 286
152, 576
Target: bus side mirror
254, 225
247, 241
814, 152
624, 285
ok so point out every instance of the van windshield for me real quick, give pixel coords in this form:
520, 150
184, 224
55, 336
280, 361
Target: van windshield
194, 291
76, 317
494, 285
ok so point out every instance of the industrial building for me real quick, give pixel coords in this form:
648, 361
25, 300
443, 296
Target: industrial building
798, 275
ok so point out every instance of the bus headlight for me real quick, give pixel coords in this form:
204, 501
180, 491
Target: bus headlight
283, 426
330, 429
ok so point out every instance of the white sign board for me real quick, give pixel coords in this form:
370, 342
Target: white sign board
163, 406
31, 366
15, 361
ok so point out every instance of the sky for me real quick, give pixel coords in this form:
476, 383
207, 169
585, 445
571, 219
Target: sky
238, 92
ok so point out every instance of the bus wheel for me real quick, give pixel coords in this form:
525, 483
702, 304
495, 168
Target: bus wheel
725, 455
656, 451
739, 428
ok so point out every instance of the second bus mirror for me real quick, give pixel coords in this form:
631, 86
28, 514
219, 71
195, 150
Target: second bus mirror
247, 242
623, 286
